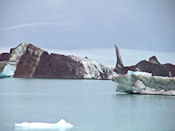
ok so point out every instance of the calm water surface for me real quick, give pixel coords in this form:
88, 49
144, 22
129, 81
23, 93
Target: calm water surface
90, 105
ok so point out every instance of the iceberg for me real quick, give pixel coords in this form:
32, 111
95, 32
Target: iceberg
8, 69
93, 69
152, 66
30, 61
135, 83
61, 125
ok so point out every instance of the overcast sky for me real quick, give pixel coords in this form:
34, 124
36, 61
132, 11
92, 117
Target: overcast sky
77, 24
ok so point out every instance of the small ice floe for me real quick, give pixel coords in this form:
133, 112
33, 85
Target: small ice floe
61, 125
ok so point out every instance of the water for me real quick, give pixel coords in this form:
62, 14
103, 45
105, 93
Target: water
90, 105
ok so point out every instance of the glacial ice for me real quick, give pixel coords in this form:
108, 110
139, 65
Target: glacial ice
9, 69
145, 84
61, 125
139, 87
137, 73
94, 69
18, 52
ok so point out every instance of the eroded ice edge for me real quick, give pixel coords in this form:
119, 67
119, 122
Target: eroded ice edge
145, 83
61, 125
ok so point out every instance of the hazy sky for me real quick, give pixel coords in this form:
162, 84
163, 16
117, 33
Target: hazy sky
74, 24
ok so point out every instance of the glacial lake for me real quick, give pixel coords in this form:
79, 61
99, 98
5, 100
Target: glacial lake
90, 105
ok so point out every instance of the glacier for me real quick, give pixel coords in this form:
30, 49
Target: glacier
61, 125
144, 83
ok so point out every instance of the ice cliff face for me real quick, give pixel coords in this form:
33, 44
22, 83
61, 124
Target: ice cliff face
21, 61
27, 60
7, 68
16, 53
94, 70
145, 84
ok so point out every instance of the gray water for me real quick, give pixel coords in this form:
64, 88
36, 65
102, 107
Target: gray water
90, 105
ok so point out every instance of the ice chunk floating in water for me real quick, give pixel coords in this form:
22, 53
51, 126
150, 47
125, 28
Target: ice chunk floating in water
141, 83
61, 125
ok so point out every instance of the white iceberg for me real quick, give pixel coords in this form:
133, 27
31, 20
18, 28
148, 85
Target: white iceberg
61, 125
9, 69
140, 88
145, 84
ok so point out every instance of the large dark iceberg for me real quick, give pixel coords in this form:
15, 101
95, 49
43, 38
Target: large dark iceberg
29, 61
152, 66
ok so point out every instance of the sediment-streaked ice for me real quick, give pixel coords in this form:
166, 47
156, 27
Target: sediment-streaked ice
61, 125
94, 69
140, 88
136, 83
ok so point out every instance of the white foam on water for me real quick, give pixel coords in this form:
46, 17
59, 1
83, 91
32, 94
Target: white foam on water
61, 125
